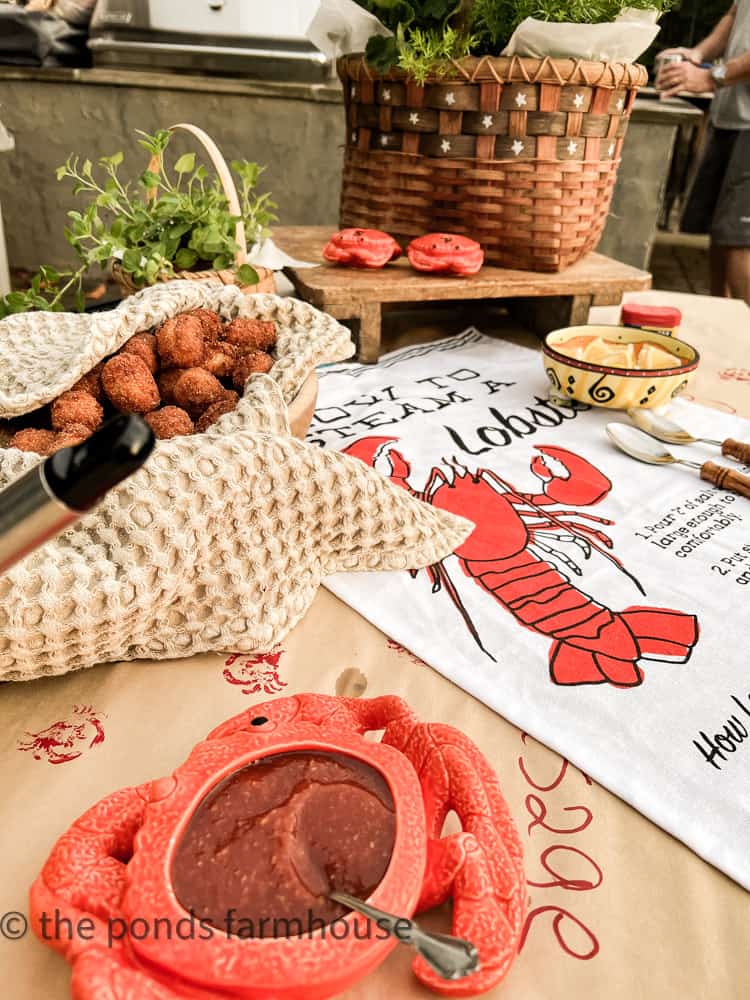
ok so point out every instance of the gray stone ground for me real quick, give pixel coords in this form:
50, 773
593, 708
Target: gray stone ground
680, 263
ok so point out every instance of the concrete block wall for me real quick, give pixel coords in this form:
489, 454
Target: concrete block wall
297, 130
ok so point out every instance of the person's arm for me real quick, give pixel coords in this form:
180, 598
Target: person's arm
690, 79
714, 46
738, 70
687, 77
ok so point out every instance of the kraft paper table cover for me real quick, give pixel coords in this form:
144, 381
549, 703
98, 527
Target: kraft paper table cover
618, 908
630, 661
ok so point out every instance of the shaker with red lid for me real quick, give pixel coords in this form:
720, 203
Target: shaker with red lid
655, 319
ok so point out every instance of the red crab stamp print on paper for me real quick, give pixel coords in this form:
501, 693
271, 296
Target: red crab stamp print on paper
257, 673
402, 651
735, 375
66, 739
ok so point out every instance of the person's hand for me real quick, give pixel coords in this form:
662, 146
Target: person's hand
684, 77
692, 55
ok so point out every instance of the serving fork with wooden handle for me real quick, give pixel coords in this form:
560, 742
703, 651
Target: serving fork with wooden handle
724, 477
736, 449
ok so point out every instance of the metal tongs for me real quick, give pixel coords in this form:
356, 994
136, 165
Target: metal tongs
54, 494
451, 957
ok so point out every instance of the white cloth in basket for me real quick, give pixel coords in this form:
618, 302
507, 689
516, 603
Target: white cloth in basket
221, 540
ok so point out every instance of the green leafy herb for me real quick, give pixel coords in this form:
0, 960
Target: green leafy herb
163, 222
429, 53
247, 274
382, 52
494, 21
428, 34
45, 293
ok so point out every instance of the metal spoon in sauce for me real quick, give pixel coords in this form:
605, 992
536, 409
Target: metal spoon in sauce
664, 429
451, 957
640, 446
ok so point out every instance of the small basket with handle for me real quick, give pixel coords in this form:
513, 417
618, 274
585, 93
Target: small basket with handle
228, 276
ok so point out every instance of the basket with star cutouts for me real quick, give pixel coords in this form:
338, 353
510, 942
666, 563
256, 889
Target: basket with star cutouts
520, 154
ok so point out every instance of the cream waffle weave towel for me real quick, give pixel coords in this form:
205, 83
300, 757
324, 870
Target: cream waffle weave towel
43, 354
221, 540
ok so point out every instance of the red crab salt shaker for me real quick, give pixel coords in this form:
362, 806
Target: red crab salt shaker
215, 881
443, 253
369, 248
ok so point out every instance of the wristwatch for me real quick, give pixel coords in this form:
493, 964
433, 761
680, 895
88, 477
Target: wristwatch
719, 73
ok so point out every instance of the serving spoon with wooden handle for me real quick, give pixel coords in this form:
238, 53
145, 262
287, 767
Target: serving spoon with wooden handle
664, 429
645, 449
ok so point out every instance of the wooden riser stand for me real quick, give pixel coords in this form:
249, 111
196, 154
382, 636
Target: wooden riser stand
542, 302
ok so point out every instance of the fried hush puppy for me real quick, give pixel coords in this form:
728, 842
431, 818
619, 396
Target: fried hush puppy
91, 382
71, 435
248, 364
30, 439
177, 376
211, 323
180, 342
216, 410
169, 422
220, 359
166, 380
129, 385
197, 389
257, 334
48, 442
143, 345
76, 407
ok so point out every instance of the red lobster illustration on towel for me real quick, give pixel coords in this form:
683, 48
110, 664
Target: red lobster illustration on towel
509, 557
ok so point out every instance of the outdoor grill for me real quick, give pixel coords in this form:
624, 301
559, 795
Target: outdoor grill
215, 36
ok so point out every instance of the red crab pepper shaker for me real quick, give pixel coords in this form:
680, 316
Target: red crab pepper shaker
368, 248
444, 253
146, 860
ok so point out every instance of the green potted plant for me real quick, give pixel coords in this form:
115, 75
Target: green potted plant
170, 222
429, 34
520, 152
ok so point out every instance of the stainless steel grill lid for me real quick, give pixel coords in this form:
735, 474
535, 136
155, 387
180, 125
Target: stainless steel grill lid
230, 37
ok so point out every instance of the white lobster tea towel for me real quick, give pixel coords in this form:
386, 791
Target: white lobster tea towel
600, 604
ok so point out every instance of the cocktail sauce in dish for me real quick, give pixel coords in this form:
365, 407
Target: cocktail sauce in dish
267, 846
276, 808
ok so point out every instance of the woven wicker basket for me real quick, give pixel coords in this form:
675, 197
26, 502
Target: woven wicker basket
229, 276
520, 154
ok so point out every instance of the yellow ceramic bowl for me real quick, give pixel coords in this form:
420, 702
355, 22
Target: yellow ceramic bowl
616, 388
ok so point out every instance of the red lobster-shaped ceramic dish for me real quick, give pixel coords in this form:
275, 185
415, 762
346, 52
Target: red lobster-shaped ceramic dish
117, 862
